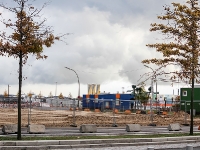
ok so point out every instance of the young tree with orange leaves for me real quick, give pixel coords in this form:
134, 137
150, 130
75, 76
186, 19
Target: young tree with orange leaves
28, 36
40, 95
61, 96
181, 46
30, 94
5, 94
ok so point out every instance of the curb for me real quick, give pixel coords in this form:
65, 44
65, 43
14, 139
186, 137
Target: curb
94, 143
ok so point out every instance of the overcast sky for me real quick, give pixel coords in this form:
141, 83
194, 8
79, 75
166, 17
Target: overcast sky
106, 46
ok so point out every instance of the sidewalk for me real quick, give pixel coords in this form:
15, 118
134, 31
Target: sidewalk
162, 143
96, 143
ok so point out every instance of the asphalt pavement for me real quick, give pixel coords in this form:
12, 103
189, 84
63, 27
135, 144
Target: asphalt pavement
165, 143
64, 131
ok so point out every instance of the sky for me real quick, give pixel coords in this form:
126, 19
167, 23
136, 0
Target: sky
106, 44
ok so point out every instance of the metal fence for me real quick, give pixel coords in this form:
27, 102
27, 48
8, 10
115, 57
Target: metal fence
54, 104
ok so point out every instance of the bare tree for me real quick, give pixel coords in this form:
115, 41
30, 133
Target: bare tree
181, 46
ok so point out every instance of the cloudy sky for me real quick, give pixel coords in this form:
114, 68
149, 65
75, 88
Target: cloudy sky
105, 46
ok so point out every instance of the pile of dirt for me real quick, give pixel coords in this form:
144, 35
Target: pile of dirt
64, 118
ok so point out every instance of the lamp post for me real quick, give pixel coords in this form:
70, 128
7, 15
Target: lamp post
56, 90
114, 119
152, 94
29, 110
8, 95
74, 118
78, 83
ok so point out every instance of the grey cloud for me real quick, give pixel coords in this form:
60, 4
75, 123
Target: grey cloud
107, 42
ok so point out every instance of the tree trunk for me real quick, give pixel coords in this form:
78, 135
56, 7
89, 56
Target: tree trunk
19, 97
192, 98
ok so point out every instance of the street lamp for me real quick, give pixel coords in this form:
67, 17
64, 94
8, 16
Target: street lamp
78, 83
8, 95
56, 90
29, 110
74, 118
114, 119
152, 94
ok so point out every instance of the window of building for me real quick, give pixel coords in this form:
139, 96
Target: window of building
184, 93
117, 102
87, 100
107, 104
96, 100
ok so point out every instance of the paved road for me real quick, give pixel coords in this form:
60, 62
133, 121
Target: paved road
57, 131
161, 145
196, 146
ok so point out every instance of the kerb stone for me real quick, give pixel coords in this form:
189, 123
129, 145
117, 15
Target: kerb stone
9, 128
88, 128
133, 127
36, 128
174, 127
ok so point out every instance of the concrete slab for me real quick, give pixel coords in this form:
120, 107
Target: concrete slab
88, 128
128, 140
43, 144
33, 128
91, 142
24, 148
159, 139
80, 146
133, 127
190, 138
7, 143
198, 137
143, 140
175, 138
100, 145
48, 142
54, 147
174, 127
69, 142
9, 128
26, 143
37, 143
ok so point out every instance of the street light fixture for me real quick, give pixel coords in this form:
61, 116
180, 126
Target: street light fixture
78, 83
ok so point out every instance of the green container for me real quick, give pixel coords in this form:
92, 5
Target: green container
185, 102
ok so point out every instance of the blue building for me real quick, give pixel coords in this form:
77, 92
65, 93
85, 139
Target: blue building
109, 101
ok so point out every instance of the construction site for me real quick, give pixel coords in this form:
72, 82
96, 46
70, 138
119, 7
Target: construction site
65, 118
102, 109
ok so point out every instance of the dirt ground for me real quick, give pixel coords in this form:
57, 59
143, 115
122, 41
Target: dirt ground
64, 118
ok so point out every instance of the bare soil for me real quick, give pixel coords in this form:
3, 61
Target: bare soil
64, 118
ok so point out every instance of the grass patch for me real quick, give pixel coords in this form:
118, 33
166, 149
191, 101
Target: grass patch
26, 138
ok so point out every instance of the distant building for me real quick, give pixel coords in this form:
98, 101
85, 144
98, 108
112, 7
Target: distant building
108, 101
185, 99
164, 99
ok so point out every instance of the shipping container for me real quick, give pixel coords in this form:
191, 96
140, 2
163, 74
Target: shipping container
185, 99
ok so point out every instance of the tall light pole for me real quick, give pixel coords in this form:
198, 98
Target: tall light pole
8, 89
29, 110
152, 94
8, 95
78, 83
56, 90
